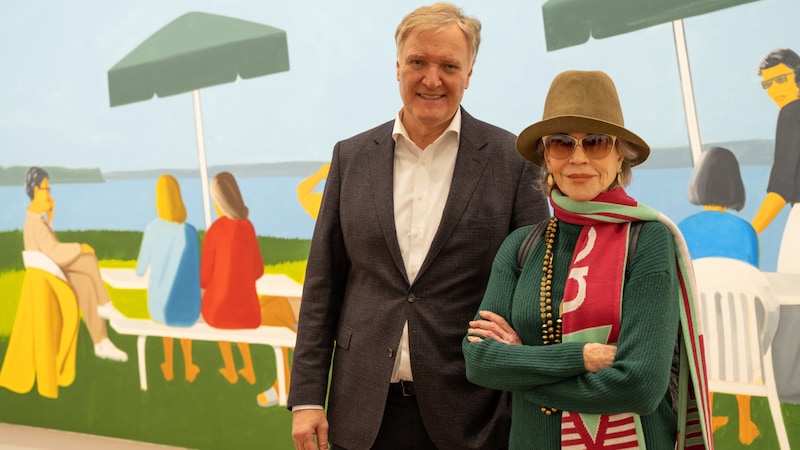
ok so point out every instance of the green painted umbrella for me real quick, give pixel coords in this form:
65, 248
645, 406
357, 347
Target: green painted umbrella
573, 22
195, 51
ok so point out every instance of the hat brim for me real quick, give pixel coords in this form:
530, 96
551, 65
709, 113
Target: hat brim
530, 137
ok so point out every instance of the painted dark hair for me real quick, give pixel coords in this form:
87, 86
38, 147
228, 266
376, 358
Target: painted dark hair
717, 181
783, 56
34, 178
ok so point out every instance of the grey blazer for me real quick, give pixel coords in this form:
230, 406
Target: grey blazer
357, 295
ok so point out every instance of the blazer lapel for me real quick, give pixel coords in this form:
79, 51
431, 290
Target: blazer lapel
470, 164
381, 163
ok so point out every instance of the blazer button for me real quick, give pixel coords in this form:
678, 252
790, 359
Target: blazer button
412, 298
391, 352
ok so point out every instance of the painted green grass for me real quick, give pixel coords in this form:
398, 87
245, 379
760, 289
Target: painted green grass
209, 413
124, 246
105, 398
727, 437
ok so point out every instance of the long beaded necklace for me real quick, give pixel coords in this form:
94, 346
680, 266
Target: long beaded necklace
551, 329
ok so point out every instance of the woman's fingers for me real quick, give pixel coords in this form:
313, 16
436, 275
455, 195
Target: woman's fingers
495, 327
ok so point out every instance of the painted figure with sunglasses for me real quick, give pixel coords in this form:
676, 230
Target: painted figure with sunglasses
779, 71
594, 343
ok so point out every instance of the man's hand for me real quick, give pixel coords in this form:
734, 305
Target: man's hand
308, 424
493, 326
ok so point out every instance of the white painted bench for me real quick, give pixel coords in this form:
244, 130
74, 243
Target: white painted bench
275, 337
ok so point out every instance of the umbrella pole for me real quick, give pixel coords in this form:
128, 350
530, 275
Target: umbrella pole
692, 125
201, 156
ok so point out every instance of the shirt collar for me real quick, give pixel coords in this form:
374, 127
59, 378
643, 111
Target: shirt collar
400, 130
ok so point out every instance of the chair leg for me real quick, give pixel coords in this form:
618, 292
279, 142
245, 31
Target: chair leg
777, 419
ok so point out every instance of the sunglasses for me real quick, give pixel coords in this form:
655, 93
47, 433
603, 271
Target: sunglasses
595, 146
780, 79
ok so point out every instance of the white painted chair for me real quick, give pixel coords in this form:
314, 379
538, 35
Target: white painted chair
39, 260
740, 314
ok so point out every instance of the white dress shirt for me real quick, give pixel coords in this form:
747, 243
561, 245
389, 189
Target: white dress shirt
422, 180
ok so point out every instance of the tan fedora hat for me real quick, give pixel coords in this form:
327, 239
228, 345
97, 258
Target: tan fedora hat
580, 101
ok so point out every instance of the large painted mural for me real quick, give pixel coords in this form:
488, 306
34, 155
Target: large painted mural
159, 159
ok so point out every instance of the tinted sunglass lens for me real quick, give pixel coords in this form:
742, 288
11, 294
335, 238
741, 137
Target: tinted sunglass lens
597, 144
780, 79
559, 145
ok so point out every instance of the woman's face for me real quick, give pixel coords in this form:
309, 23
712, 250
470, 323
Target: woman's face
582, 178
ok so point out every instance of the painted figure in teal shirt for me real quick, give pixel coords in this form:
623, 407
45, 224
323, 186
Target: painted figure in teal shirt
170, 251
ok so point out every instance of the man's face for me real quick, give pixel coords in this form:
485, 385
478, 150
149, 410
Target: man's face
42, 202
433, 68
780, 83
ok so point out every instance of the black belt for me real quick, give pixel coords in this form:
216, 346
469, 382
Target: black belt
403, 388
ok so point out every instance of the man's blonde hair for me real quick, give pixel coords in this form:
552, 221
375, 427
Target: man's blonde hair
437, 17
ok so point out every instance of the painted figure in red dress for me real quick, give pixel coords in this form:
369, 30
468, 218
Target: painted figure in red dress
230, 265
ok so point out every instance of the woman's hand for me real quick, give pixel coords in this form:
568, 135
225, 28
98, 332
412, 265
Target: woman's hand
598, 356
492, 326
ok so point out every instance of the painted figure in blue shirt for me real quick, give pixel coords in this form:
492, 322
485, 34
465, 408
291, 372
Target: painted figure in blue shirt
716, 184
170, 250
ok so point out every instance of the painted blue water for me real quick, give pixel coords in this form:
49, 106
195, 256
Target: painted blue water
130, 205
275, 211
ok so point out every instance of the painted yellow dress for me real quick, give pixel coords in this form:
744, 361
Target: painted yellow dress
45, 333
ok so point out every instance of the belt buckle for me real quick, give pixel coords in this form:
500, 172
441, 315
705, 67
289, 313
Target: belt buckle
407, 390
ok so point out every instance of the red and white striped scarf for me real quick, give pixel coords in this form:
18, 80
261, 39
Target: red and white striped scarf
606, 221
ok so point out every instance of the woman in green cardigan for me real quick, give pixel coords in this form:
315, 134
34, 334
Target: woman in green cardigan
582, 333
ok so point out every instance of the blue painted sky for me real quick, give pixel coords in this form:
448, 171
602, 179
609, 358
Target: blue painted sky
54, 95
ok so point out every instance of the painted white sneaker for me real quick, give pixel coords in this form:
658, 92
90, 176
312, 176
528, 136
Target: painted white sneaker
105, 311
107, 350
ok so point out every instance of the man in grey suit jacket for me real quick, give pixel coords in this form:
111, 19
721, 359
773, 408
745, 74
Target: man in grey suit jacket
412, 214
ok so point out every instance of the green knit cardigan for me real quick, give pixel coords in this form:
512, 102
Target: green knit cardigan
555, 375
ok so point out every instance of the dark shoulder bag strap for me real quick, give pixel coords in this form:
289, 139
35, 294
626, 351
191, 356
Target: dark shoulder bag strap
633, 236
530, 241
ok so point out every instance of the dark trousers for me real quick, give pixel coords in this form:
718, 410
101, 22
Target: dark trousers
401, 428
